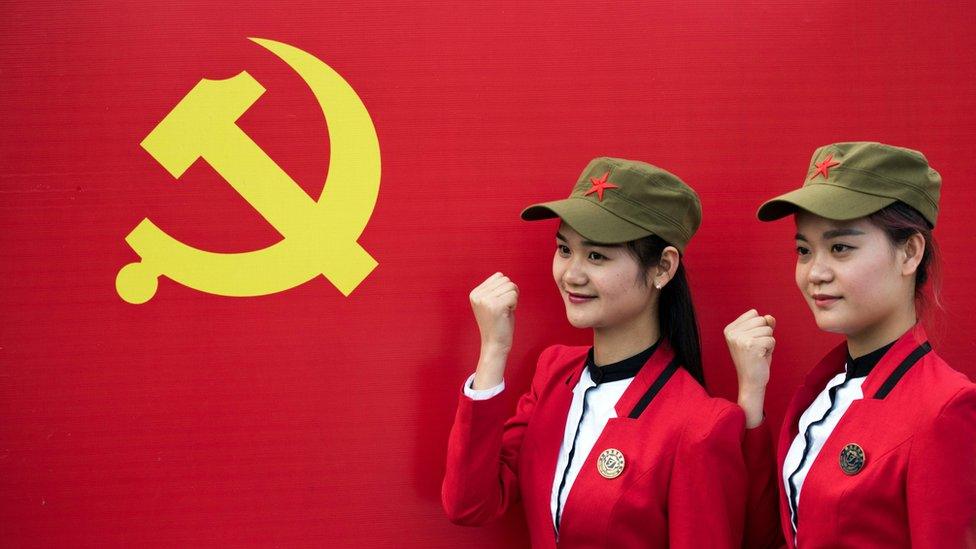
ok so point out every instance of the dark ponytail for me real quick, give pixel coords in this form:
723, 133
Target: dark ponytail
676, 313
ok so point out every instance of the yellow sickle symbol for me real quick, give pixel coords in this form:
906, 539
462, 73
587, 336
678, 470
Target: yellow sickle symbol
319, 237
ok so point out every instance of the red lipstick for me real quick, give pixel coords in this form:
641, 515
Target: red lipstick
824, 300
579, 298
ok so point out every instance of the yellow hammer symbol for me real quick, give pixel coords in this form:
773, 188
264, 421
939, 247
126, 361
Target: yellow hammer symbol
320, 237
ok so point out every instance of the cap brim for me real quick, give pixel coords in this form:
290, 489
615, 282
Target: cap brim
587, 218
829, 201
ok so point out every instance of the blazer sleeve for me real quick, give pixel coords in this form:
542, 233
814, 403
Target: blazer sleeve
706, 496
941, 480
763, 529
481, 478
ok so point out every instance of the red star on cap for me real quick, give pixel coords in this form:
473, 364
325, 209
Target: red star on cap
600, 185
824, 166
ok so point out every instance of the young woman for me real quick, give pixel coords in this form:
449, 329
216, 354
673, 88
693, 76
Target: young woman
618, 444
878, 446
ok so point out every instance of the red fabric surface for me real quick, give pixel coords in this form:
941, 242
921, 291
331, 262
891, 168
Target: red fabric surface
307, 418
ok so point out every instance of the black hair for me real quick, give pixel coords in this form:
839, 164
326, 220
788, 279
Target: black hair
675, 311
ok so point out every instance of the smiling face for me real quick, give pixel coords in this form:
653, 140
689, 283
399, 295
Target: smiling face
854, 279
601, 285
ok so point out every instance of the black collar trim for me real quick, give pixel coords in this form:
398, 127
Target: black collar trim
862, 365
625, 369
655, 388
902, 368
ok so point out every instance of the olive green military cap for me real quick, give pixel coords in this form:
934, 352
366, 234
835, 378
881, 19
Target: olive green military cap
850, 180
618, 200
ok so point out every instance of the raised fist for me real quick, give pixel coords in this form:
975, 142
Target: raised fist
493, 302
751, 344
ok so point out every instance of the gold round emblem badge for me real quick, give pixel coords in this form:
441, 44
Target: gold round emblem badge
852, 459
611, 463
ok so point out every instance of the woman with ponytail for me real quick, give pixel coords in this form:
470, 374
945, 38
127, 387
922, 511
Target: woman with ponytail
878, 447
616, 444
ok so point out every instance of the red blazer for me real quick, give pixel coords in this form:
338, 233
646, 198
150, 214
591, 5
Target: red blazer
917, 488
683, 483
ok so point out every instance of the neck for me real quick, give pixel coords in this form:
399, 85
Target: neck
879, 335
613, 344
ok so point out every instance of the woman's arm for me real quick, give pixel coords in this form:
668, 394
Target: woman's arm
763, 529
493, 303
751, 343
707, 492
941, 481
480, 482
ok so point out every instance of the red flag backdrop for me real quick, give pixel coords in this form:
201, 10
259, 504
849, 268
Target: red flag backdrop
305, 417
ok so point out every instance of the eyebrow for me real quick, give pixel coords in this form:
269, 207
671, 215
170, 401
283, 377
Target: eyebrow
589, 242
833, 234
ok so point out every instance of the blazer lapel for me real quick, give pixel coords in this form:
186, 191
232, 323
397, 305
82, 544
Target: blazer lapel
816, 380
648, 378
539, 457
860, 423
882, 378
591, 498
895, 363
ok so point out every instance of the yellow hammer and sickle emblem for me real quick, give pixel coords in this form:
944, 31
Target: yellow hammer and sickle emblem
320, 237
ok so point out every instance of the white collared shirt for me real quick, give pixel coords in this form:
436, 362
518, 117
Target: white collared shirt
815, 426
